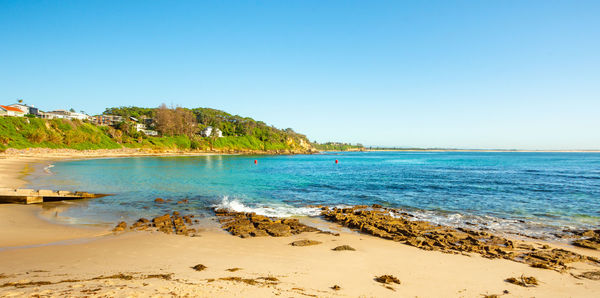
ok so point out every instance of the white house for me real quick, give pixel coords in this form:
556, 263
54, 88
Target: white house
206, 132
149, 132
11, 111
140, 126
28, 110
209, 130
80, 116
63, 114
218, 133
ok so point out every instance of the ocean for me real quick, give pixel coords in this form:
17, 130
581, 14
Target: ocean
533, 193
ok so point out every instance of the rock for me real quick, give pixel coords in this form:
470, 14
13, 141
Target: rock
183, 201
305, 243
593, 275
524, 281
259, 233
402, 228
199, 267
376, 206
188, 219
253, 225
159, 200
120, 227
591, 243
141, 224
336, 287
387, 279
343, 247
278, 230
162, 221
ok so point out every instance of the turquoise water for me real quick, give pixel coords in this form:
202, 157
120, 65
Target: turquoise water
534, 193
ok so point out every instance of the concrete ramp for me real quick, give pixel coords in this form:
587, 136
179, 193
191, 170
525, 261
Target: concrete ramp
32, 196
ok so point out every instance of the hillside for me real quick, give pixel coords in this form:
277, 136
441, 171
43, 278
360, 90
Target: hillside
239, 134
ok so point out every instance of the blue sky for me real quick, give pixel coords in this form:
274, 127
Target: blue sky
460, 74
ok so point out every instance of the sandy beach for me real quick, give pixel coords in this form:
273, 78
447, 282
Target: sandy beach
42, 257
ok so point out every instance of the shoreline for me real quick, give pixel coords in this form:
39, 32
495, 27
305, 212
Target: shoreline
80, 261
471, 150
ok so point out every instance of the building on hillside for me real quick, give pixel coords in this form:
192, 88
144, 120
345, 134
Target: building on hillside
79, 116
218, 133
28, 110
150, 132
48, 115
206, 131
210, 131
11, 111
107, 119
140, 126
64, 114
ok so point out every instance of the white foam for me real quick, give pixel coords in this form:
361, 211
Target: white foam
275, 210
494, 224
47, 169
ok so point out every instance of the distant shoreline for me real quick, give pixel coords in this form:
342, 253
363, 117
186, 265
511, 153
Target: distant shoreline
471, 150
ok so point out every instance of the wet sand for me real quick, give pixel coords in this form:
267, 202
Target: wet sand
39, 257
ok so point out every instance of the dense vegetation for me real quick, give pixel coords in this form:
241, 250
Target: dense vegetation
179, 130
333, 146
230, 125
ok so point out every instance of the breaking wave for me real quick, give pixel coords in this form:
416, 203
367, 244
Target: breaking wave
47, 169
274, 210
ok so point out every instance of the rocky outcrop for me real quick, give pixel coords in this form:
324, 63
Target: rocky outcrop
593, 242
168, 224
394, 225
253, 225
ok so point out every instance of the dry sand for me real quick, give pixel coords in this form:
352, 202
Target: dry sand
46, 258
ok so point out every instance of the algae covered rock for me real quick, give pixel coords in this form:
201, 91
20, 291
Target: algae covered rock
343, 247
253, 225
591, 243
199, 267
120, 227
305, 242
524, 281
399, 226
387, 279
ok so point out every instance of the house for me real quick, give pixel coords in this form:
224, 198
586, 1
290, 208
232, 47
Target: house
11, 111
28, 110
149, 132
208, 131
64, 114
79, 116
218, 133
50, 115
107, 119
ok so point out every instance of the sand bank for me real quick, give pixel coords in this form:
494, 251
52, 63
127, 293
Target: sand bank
74, 261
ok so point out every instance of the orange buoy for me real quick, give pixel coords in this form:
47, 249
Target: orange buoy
336, 161
255, 161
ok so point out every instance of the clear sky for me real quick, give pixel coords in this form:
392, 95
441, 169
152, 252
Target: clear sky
461, 74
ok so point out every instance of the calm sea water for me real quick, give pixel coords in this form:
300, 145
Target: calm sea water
534, 193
